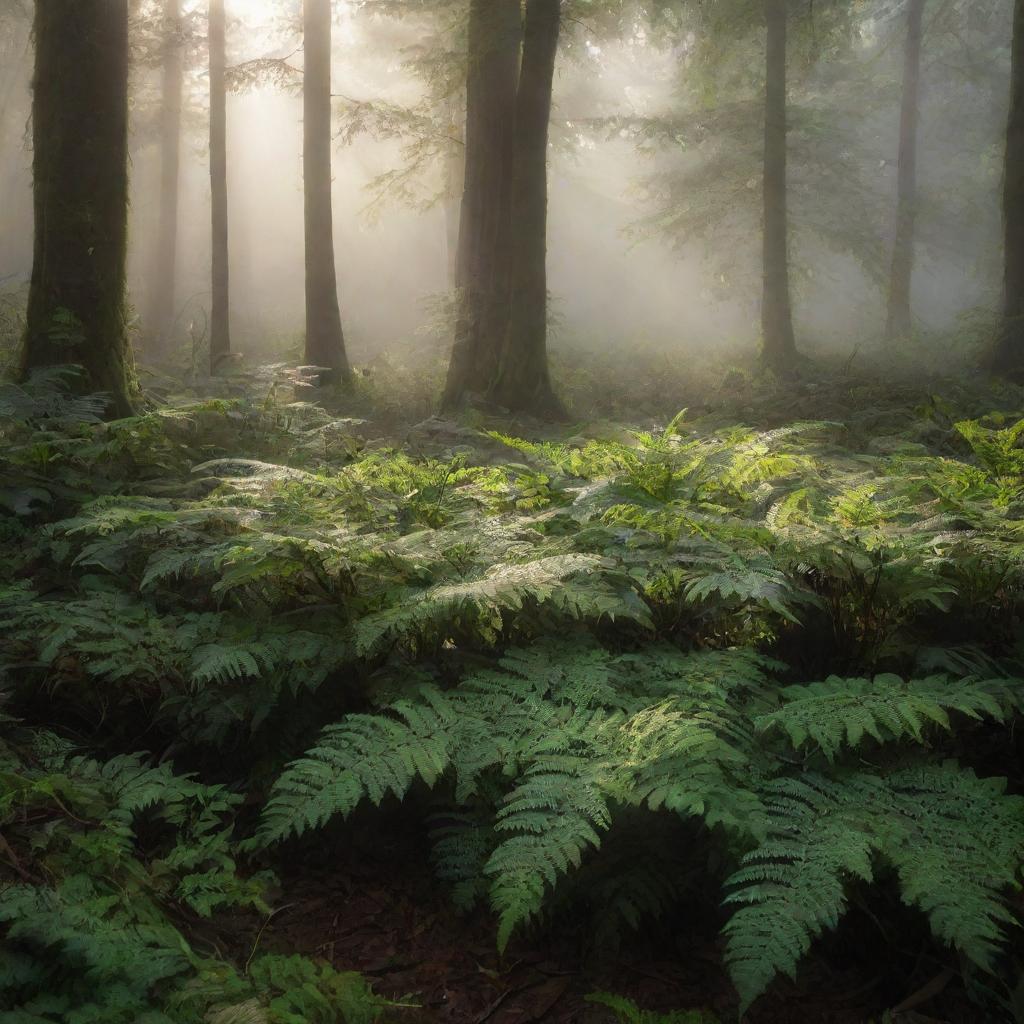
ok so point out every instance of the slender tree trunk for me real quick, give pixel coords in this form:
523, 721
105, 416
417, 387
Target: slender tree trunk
484, 258
220, 323
13, 62
325, 341
776, 311
1008, 356
76, 308
165, 261
523, 381
899, 322
454, 173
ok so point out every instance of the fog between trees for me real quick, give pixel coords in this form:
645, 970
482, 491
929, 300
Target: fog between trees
654, 186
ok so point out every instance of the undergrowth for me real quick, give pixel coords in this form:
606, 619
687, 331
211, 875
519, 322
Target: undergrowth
802, 636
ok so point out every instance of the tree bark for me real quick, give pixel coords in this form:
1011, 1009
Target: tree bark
13, 60
165, 260
523, 381
899, 322
454, 184
1008, 356
779, 350
76, 308
325, 340
484, 258
220, 321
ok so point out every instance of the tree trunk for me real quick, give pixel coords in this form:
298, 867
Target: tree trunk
76, 308
523, 381
899, 321
325, 341
220, 323
484, 258
165, 261
454, 183
1008, 356
13, 63
776, 311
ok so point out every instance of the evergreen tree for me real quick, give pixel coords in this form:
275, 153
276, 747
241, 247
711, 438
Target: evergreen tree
500, 350
220, 326
165, 258
1009, 353
76, 309
776, 313
484, 257
325, 340
523, 380
899, 321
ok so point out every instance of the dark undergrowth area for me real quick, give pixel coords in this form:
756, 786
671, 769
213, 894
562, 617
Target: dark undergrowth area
318, 707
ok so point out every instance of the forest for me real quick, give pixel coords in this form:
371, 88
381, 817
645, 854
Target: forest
511, 511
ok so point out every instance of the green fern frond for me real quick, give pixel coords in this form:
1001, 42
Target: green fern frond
366, 756
555, 816
955, 840
843, 711
628, 1012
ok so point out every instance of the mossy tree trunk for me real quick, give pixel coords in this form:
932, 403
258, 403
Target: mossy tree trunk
163, 284
523, 381
779, 344
76, 307
325, 340
899, 322
1008, 356
484, 256
220, 319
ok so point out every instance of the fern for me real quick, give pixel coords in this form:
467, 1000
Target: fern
844, 711
627, 1012
555, 814
569, 584
955, 840
365, 757
569, 730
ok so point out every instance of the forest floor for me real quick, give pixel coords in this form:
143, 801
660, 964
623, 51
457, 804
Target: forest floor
387, 918
223, 577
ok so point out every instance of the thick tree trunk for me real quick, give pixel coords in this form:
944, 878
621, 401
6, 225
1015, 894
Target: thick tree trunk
220, 322
165, 260
484, 258
899, 321
776, 311
325, 341
523, 381
1008, 356
76, 308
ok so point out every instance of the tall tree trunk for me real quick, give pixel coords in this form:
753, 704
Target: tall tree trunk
325, 341
13, 63
76, 308
523, 381
165, 260
776, 311
484, 258
1009, 352
899, 321
220, 321
454, 183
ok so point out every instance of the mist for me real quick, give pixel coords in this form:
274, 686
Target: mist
624, 265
